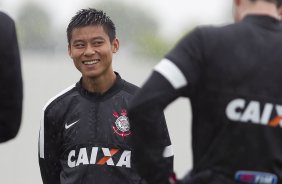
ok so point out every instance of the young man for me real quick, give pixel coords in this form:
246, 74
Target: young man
232, 75
85, 135
11, 92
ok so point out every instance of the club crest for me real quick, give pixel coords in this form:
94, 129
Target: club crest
121, 126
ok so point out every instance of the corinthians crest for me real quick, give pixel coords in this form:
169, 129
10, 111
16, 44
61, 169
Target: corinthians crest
121, 126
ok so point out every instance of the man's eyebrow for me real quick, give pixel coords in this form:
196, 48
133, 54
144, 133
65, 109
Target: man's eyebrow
98, 37
75, 41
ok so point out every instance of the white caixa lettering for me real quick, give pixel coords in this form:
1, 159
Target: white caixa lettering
254, 112
82, 157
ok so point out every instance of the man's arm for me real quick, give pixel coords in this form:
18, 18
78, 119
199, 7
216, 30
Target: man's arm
11, 92
160, 151
168, 81
49, 152
154, 159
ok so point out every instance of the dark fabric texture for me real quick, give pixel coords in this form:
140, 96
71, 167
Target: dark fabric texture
11, 92
233, 75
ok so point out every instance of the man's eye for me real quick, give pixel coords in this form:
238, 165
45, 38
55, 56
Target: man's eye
79, 45
97, 43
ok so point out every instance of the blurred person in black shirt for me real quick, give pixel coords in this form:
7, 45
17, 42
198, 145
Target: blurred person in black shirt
232, 76
11, 84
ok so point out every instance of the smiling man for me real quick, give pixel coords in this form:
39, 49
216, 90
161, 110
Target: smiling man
85, 135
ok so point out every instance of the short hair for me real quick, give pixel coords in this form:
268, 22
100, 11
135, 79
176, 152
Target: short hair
91, 16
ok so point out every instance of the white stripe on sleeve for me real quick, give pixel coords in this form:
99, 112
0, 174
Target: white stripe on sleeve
41, 131
172, 73
168, 151
41, 136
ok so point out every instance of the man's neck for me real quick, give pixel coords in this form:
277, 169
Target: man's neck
99, 85
262, 8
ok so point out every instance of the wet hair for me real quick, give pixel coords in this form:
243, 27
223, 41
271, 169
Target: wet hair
89, 17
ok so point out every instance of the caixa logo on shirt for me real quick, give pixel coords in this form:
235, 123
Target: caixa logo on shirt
255, 112
100, 156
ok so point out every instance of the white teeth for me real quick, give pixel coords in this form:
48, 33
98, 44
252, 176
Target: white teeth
91, 62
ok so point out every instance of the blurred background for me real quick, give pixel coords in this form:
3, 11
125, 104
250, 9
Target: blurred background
147, 29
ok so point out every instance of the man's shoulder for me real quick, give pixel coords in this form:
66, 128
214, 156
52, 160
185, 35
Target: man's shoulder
6, 23
63, 95
130, 87
217, 35
217, 29
5, 17
7, 30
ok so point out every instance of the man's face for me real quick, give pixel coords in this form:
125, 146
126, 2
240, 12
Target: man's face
91, 51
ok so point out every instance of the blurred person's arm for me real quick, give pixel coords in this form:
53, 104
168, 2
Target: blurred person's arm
11, 92
154, 160
159, 143
168, 81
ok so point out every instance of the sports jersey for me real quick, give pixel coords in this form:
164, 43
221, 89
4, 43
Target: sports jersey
85, 138
232, 76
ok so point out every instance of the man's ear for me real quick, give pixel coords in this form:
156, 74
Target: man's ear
69, 51
115, 45
237, 2
280, 11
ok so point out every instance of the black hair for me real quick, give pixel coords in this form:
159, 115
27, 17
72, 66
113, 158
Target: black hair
91, 16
